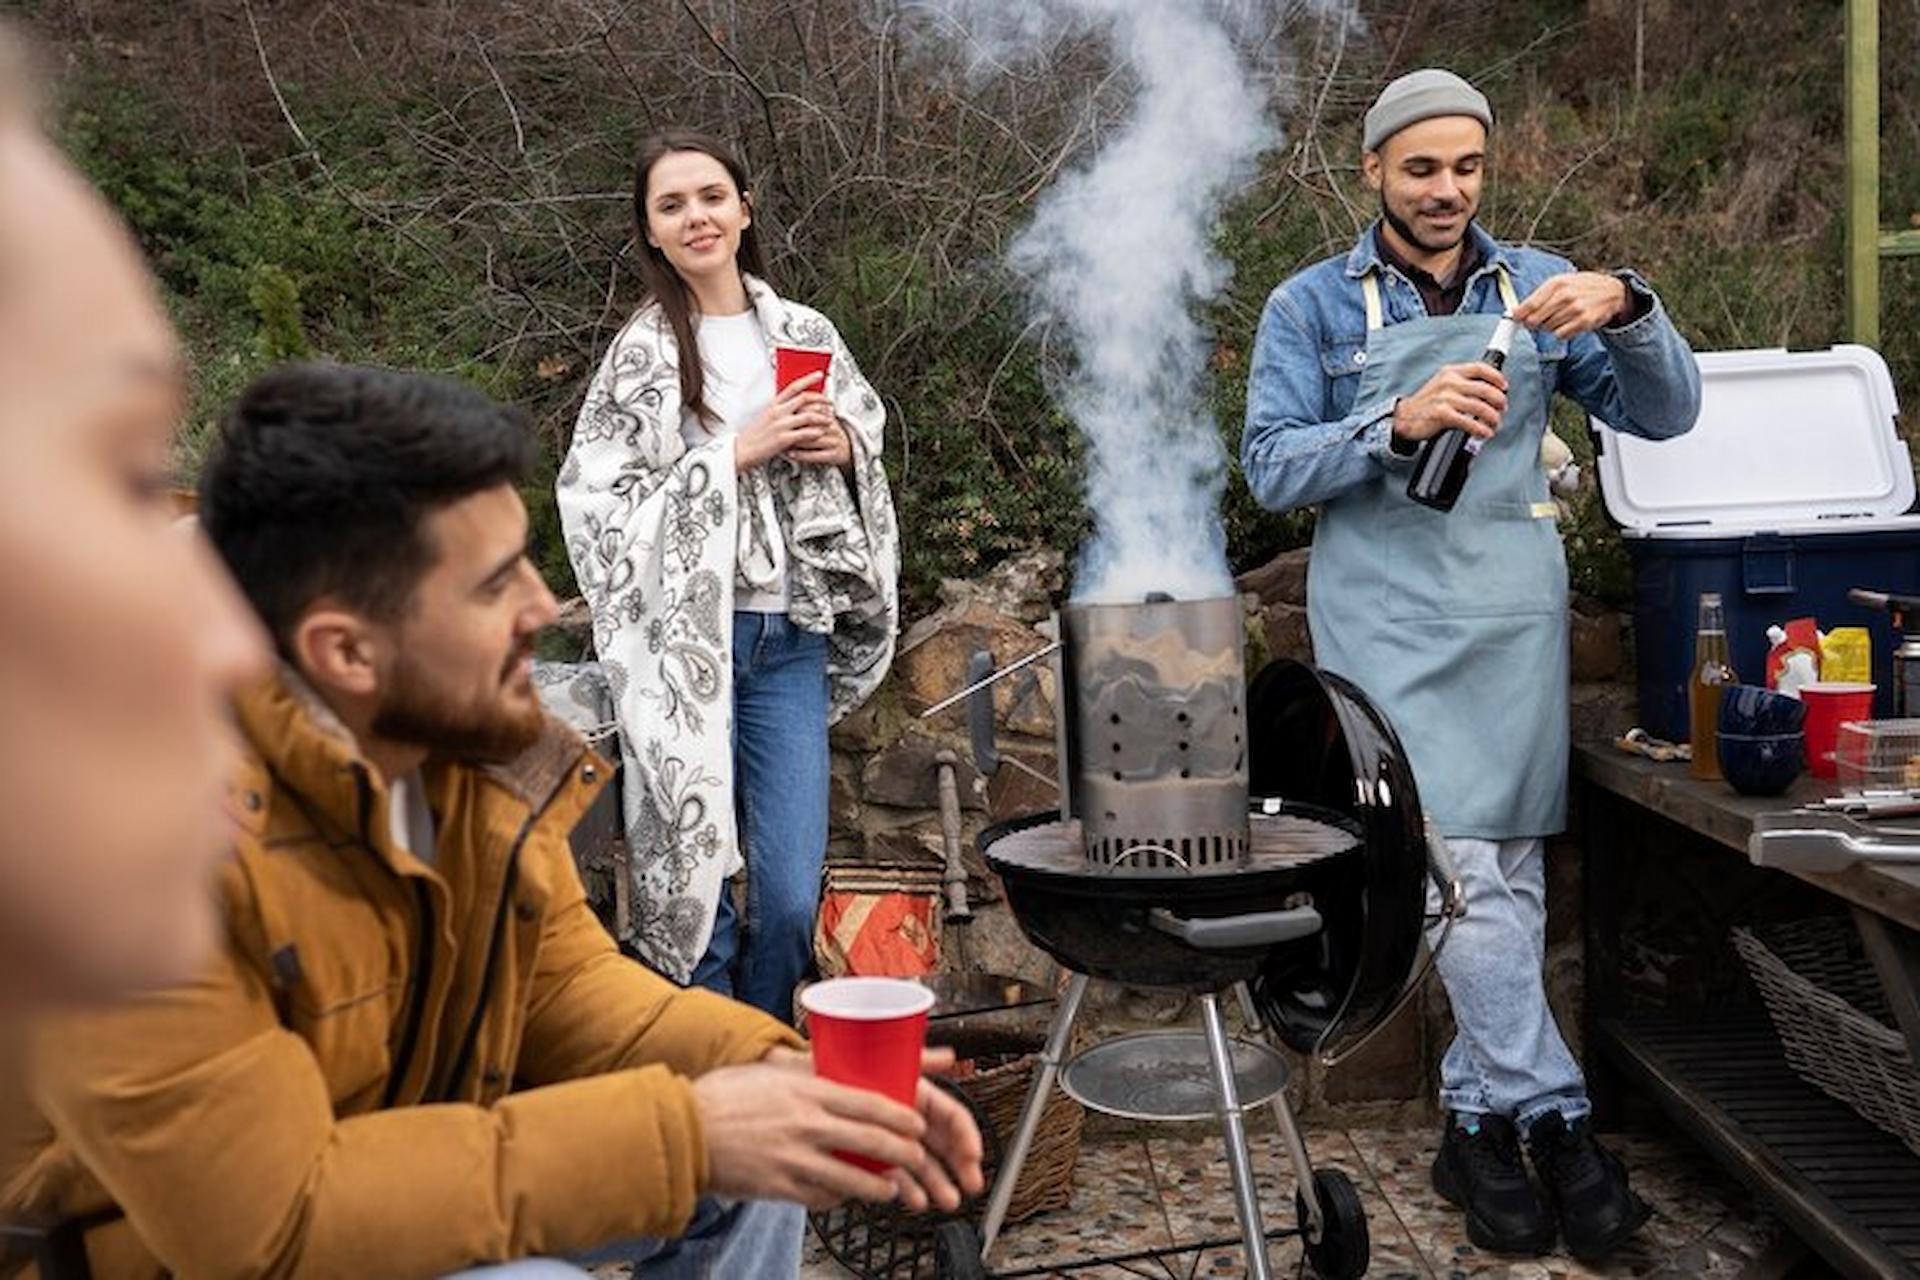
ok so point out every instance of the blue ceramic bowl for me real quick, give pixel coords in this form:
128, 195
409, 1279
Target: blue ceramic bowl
1747, 709
1763, 765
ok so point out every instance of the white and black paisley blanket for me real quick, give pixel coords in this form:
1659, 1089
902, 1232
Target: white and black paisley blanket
654, 528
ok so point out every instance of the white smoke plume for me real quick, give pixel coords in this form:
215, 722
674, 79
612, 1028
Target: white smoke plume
1118, 255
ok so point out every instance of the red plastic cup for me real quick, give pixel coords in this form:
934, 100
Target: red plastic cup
869, 1033
790, 364
1830, 705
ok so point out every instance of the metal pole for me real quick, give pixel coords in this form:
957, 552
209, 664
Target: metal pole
1863, 171
1037, 1095
1226, 1093
995, 678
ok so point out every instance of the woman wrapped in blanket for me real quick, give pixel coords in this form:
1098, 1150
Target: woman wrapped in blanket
736, 543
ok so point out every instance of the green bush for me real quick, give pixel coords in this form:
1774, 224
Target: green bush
468, 216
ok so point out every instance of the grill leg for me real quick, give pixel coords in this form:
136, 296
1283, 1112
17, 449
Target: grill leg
1038, 1093
1283, 1116
1249, 1011
1246, 1198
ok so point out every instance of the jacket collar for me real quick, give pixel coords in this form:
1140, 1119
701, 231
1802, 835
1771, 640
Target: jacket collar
1365, 258
297, 741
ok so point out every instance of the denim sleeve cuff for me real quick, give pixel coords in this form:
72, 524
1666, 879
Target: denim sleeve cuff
1376, 437
1644, 328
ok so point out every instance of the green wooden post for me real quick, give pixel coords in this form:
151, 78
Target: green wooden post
1863, 171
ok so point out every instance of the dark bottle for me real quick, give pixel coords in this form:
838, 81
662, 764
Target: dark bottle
1440, 473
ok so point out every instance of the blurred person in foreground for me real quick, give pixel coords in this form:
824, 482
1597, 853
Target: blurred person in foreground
418, 1050
121, 639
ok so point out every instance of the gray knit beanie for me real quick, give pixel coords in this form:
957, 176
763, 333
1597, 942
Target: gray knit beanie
1423, 95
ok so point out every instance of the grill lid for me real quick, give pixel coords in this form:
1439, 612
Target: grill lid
1315, 739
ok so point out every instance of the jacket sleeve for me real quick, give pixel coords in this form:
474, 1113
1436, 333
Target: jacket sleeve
594, 1010
1293, 456
1640, 378
211, 1126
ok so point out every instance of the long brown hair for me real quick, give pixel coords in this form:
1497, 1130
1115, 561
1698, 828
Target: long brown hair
663, 283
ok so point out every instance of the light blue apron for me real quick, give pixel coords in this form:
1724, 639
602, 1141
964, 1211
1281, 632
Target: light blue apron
1455, 623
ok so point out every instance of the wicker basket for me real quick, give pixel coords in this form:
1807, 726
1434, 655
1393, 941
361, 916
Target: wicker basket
1046, 1179
879, 1242
1833, 1022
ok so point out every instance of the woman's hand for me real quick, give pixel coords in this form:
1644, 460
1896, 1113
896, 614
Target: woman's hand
830, 446
798, 414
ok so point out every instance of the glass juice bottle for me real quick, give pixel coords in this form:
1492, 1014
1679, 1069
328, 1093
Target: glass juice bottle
1712, 673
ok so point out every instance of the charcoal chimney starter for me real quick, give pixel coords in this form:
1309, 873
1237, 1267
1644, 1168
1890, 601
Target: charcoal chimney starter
1153, 731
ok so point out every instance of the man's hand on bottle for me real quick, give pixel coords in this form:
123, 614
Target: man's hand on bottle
1575, 303
1461, 397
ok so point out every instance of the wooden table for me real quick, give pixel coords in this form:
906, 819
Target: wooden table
1849, 1190
1715, 811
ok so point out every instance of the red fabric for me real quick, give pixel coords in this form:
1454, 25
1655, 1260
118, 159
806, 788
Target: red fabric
878, 934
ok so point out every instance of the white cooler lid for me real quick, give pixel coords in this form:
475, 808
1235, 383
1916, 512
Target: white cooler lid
1787, 441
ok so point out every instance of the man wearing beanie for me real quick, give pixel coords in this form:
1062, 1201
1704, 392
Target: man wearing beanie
1455, 622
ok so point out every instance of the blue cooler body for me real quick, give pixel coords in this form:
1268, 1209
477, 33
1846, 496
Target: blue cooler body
1792, 489
1763, 579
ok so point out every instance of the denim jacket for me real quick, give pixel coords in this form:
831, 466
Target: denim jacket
1307, 441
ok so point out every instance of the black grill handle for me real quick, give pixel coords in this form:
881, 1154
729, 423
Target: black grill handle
1453, 894
1230, 933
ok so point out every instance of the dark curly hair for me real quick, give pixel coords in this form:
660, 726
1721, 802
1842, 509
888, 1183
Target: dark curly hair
324, 474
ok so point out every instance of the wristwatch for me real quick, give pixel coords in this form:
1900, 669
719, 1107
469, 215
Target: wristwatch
1639, 296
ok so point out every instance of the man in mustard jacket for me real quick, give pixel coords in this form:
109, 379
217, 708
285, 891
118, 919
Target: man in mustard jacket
418, 1050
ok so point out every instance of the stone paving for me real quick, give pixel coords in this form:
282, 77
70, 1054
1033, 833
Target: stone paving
1136, 1192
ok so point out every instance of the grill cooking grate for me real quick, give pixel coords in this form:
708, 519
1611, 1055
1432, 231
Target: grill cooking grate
1278, 842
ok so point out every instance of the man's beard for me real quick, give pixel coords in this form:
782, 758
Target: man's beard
417, 713
1408, 234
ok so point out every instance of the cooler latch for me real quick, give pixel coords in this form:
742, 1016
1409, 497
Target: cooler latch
1766, 565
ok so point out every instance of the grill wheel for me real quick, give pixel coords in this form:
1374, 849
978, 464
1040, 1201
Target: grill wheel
1344, 1245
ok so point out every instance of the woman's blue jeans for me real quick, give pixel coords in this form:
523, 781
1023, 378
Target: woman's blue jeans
780, 802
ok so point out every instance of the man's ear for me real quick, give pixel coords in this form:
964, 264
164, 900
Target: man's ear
337, 650
1370, 166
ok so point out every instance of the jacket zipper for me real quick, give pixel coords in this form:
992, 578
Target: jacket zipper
464, 1059
423, 983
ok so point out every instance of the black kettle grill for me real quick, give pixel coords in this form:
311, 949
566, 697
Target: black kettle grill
1266, 839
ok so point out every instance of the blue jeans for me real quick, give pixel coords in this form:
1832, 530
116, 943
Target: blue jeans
1507, 1058
780, 802
752, 1238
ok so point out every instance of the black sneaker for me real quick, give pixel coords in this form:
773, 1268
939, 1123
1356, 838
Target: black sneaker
1479, 1169
1587, 1186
